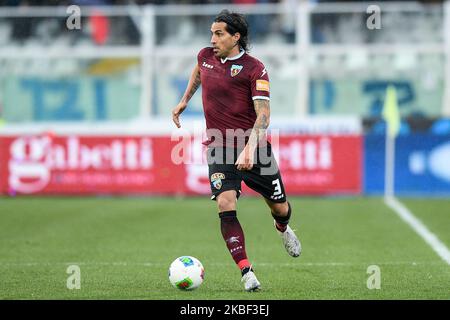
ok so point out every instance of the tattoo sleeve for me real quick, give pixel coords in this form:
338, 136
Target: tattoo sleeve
195, 86
194, 83
262, 109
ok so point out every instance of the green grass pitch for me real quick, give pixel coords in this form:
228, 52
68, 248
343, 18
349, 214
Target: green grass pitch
124, 247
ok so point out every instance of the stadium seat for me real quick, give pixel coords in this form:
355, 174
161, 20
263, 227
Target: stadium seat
349, 30
357, 60
5, 33
432, 61
39, 67
332, 64
381, 65
65, 67
405, 61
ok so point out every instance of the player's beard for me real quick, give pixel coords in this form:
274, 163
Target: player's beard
220, 53
223, 54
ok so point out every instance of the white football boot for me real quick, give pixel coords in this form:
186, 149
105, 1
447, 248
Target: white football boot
250, 281
290, 241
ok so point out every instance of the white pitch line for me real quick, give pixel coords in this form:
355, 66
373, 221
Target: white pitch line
418, 227
261, 264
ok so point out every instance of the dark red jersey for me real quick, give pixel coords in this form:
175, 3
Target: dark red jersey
229, 87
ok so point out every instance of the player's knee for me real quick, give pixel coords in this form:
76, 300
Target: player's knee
226, 202
280, 209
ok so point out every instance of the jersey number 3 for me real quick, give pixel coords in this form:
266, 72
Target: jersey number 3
277, 190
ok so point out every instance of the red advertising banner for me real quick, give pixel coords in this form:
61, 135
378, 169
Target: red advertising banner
88, 165
321, 164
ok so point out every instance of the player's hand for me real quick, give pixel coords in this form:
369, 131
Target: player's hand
177, 112
245, 160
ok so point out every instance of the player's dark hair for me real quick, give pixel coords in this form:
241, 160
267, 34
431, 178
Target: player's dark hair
236, 22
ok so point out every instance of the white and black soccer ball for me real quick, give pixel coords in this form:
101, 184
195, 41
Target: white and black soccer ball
186, 273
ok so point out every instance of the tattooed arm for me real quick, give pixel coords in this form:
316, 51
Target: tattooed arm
246, 158
194, 83
262, 108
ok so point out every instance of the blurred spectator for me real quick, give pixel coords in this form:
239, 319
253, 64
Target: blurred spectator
259, 25
92, 2
10, 3
100, 28
22, 27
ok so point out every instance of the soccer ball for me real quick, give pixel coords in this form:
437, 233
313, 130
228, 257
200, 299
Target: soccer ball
186, 273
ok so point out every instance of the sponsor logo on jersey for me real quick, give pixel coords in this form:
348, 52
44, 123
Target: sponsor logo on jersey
207, 65
235, 69
216, 180
263, 72
262, 85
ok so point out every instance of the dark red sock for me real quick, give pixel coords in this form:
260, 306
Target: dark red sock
234, 237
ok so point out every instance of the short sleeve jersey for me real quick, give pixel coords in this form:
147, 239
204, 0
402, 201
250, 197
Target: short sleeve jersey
229, 87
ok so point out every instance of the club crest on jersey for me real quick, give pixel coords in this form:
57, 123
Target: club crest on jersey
216, 180
235, 69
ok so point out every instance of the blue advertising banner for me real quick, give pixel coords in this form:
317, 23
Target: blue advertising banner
422, 164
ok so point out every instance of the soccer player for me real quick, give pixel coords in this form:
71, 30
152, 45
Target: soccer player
236, 95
